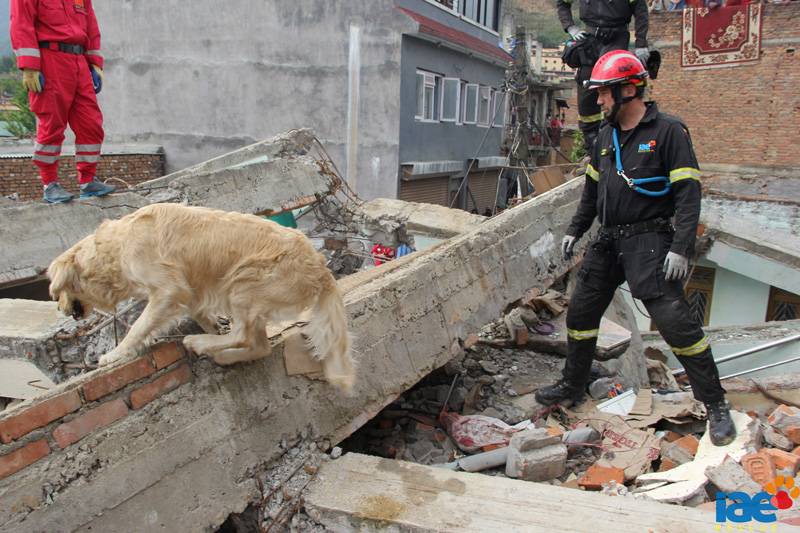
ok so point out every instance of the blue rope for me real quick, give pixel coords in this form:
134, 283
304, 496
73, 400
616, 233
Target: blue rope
634, 184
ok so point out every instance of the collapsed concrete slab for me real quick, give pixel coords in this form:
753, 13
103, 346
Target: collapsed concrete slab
266, 178
363, 493
393, 222
32, 234
187, 436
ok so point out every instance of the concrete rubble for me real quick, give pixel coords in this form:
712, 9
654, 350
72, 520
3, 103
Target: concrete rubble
469, 345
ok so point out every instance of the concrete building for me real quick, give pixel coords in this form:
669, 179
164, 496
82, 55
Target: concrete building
378, 81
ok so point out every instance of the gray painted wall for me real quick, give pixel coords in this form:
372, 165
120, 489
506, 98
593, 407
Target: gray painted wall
427, 141
202, 79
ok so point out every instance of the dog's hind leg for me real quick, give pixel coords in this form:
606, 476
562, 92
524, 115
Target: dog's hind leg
260, 348
243, 338
160, 313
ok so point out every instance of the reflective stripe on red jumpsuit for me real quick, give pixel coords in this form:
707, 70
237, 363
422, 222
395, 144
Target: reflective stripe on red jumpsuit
67, 97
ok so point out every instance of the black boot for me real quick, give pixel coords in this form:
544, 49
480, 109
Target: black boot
559, 393
720, 426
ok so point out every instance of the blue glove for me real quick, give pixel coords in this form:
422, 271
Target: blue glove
97, 78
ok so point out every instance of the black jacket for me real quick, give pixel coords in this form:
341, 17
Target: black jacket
659, 145
608, 14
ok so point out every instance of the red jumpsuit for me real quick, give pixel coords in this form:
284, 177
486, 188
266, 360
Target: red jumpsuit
42, 34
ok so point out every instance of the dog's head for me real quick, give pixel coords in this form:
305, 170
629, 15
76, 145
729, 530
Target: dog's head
66, 286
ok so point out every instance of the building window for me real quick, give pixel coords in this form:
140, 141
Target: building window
484, 105
499, 109
470, 113
428, 88
451, 100
783, 305
699, 291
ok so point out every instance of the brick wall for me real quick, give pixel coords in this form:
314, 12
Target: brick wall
19, 174
743, 115
83, 407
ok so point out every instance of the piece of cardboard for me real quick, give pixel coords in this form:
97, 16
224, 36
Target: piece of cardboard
297, 357
624, 446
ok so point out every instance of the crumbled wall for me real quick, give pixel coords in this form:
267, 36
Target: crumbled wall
19, 174
174, 441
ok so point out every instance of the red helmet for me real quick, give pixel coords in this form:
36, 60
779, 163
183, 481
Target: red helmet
615, 67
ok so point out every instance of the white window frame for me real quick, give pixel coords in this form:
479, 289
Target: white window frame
470, 103
484, 106
499, 117
427, 97
456, 82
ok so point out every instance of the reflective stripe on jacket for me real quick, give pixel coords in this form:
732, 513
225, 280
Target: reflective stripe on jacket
60, 21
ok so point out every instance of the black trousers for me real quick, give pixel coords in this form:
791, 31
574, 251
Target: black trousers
639, 260
589, 115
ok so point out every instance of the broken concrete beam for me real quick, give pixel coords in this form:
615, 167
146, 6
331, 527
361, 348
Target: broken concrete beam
209, 438
400, 496
271, 181
535, 455
390, 222
32, 234
27, 332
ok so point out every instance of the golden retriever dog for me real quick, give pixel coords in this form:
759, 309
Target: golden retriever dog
204, 263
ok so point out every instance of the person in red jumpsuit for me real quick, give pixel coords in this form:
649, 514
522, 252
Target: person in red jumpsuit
57, 44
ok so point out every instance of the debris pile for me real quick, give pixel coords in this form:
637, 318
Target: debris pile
478, 413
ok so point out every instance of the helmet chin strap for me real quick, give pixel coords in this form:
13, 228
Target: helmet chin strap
616, 92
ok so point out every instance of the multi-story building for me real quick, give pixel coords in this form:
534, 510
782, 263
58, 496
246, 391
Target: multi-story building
405, 96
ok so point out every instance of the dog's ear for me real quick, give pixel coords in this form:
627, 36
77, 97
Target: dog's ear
63, 273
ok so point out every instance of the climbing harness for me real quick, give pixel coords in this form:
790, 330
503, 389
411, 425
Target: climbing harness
634, 184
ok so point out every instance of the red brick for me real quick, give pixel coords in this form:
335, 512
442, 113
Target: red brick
595, 476
74, 430
667, 464
113, 380
39, 415
793, 433
672, 436
166, 354
784, 459
688, 443
760, 466
471, 340
161, 386
23, 457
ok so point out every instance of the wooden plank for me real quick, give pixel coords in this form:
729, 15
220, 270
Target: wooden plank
356, 492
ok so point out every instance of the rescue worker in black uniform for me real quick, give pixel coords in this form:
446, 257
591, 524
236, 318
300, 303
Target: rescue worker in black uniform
606, 24
643, 172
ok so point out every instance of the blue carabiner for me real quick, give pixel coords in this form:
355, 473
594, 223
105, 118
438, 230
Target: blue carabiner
634, 184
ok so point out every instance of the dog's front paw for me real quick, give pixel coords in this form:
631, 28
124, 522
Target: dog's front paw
194, 343
113, 356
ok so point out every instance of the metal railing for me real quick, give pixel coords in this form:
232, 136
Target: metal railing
756, 349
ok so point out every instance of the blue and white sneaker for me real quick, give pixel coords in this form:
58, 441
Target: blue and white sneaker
96, 188
54, 193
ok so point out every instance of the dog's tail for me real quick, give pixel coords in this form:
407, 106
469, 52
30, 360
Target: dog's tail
330, 341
